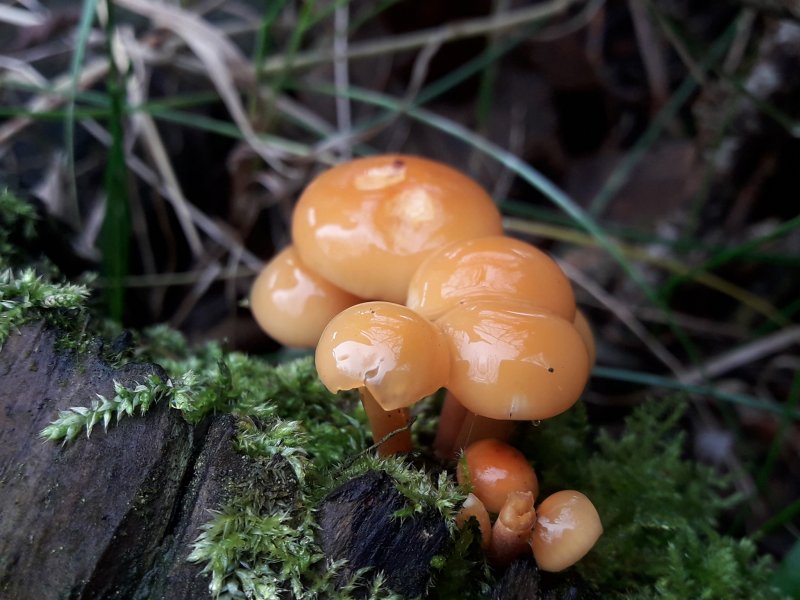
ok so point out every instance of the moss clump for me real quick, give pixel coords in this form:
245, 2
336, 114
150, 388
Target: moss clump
26, 296
659, 511
17, 226
125, 402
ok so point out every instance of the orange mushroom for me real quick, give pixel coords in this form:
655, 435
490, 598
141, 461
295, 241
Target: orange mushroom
487, 268
493, 470
512, 529
367, 224
473, 508
392, 356
567, 527
292, 303
490, 267
510, 361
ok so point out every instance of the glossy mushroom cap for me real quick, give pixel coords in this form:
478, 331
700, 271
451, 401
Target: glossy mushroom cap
398, 356
511, 361
494, 469
494, 266
567, 526
367, 224
292, 304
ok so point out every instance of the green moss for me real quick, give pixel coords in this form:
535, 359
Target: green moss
26, 296
125, 402
659, 511
17, 225
421, 488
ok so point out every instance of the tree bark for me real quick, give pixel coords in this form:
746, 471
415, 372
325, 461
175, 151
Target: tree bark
115, 515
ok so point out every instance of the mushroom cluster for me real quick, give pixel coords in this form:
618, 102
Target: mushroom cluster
559, 532
401, 277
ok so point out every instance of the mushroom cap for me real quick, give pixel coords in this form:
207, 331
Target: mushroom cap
495, 469
387, 348
292, 303
493, 266
567, 526
512, 361
367, 224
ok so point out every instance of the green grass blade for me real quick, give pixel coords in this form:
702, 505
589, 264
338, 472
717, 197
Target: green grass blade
115, 234
653, 380
768, 468
264, 39
787, 576
784, 517
667, 115
730, 254
224, 128
81, 42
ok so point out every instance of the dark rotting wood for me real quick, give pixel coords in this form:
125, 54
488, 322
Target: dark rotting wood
115, 515
219, 474
358, 523
80, 520
519, 582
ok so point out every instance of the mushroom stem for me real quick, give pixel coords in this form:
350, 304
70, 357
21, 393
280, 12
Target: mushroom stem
382, 423
512, 529
475, 427
450, 420
459, 427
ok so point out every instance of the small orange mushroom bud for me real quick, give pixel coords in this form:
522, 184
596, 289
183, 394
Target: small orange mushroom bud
391, 354
292, 303
567, 526
490, 267
494, 469
367, 224
512, 529
473, 508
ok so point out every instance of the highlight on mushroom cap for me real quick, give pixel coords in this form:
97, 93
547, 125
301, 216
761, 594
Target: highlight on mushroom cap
490, 267
292, 303
494, 469
567, 527
386, 348
367, 224
512, 361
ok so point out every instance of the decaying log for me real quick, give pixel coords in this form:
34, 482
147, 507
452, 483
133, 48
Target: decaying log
523, 581
115, 515
81, 520
520, 581
358, 523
